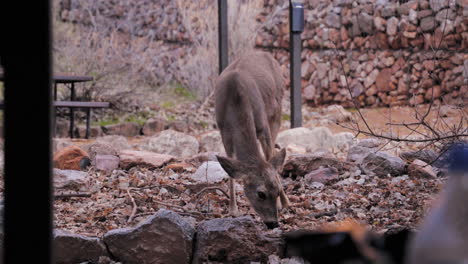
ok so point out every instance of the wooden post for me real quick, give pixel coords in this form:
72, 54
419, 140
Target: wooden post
296, 25
223, 35
28, 153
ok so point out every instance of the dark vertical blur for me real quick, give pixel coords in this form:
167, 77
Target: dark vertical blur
26, 61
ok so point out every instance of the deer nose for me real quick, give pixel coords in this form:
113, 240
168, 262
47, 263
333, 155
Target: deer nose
271, 225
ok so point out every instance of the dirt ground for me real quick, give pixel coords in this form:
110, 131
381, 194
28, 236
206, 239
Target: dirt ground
124, 198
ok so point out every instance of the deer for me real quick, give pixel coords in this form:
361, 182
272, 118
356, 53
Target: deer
248, 96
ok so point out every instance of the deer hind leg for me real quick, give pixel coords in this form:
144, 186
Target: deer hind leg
228, 147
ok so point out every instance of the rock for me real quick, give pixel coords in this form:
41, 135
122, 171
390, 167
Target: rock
366, 23
381, 164
61, 143
153, 126
343, 140
428, 23
301, 164
421, 169
198, 159
210, 172
357, 153
211, 141
233, 240
106, 162
98, 148
163, 238
311, 139
127, 129
322, 175
173, 143
179, 126
116, 142
437, 5
392, 26
94, 131
388, 11
309, 92
70, 180
383, 80
425, 155
336, 113
71, 158
73, 248
371, 78
333, 20
132, 158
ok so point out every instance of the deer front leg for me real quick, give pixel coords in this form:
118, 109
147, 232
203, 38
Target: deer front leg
233, 210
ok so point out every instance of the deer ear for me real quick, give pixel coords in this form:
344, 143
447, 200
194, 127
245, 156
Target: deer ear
278, 160
232, 167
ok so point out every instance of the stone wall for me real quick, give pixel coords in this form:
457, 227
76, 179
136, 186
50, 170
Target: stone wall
385, 52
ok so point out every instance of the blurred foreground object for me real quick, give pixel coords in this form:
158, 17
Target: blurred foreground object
444, 234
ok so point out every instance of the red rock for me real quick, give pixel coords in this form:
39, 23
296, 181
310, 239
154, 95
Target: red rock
71, 158
383, 80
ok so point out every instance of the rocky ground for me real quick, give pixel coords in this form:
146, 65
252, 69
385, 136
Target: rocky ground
329, 176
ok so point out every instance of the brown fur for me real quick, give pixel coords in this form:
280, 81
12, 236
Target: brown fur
248, 109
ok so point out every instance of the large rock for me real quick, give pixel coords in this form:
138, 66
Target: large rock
162, 238
381, 164
336, 113
127, 129
71, 158
73, 248
70, 180
99, 148
426, 155
173, 143
132, 158
322, 175
211, 141
211, 172
116, 142
153, 126
233, 240
302, 164
311, 139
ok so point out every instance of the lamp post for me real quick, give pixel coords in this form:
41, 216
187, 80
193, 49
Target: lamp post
296, 26
222, 35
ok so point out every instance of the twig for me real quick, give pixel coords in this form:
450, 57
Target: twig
134, 207
212, 188
68, 195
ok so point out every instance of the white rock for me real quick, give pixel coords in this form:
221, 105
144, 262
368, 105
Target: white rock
211, 172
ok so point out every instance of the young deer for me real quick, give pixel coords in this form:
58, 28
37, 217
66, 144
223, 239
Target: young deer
248, 108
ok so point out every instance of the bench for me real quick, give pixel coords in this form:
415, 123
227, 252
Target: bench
76, 104
79, 104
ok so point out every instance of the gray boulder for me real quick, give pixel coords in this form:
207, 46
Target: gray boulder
73, 248
165, 237
114, 141
70, 180
302, 164
211, 141
382, 164
233, 240
173, 143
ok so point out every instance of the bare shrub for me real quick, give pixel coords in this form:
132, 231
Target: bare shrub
200, 68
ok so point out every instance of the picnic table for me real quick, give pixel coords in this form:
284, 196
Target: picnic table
70, 81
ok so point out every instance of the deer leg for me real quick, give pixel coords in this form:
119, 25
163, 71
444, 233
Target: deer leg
228, 147
233, 209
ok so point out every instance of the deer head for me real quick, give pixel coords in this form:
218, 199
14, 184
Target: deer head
261, 183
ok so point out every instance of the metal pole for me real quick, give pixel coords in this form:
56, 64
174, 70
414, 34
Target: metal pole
223, 34
28, 96
295, 44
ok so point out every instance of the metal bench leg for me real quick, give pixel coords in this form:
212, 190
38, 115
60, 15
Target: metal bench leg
88, 121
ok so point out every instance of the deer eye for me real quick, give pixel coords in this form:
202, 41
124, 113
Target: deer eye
261, 195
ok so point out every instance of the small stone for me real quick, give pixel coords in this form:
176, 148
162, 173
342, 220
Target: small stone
392, 26
421, 169
132, 158
106, 162
322, 175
